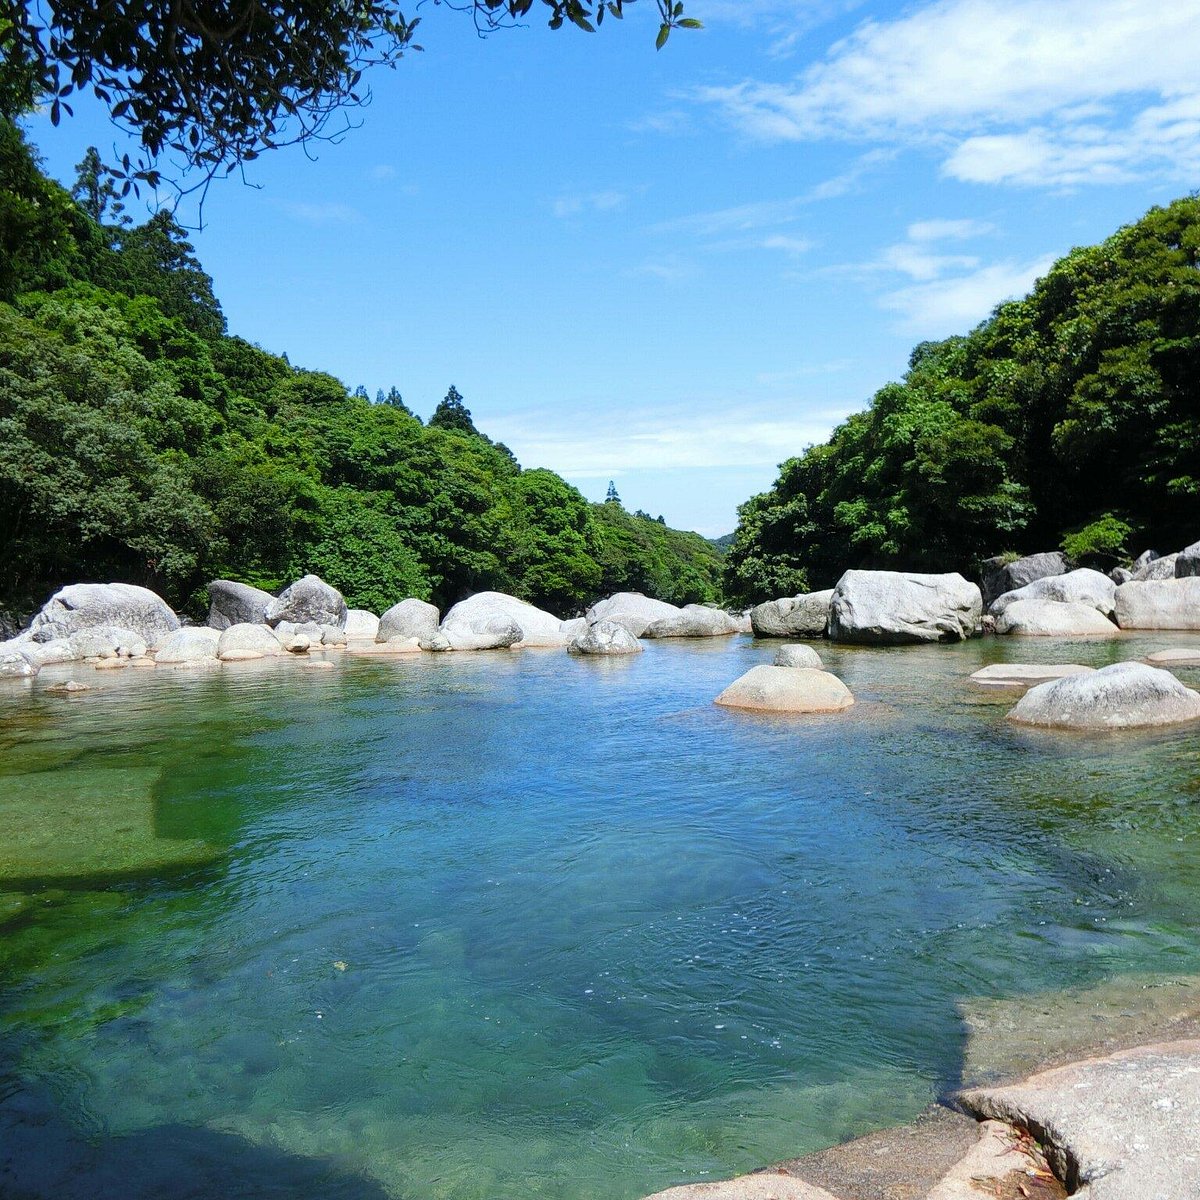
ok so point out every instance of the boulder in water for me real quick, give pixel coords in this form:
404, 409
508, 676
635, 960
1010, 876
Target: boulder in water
1000, 576
1159, 604
309, 599
806, 615
1127, 695
244, 641
694, 621
798, 656
1083, 586
407, 620
233, 603
82, 606
193, 644
487, 615
787, 690
605, 638
633, 610
891, 607
361, 625
1053, 618
15, 665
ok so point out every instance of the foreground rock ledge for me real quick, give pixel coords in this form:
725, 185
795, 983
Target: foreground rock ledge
787, 690
1127, 695
764, 1186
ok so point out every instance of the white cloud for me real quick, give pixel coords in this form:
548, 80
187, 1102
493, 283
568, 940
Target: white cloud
383, 171
1022, 91
789, 245
941, 229
320, 213
944, 306
589, 202
745, 435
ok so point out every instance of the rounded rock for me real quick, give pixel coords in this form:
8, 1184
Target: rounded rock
1127, 695
787, 690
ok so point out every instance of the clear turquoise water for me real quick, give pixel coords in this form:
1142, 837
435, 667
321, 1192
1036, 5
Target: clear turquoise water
519, 925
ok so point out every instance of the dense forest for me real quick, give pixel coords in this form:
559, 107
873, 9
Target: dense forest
139, 441
1069, 419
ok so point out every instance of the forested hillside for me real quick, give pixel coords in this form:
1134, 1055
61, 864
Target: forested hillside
1071, 417
139, 441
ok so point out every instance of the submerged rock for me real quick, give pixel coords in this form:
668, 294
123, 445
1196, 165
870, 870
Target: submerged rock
1025, 675
406, 620
1083, 586
1053, 618
233, 603
82, 606
999, 576
1159, 604
695, 621
891, 607
798, 656
196, 643
309, 599
1175, 656
632, 610
1127, 695
787, 690
806, 615
605, 638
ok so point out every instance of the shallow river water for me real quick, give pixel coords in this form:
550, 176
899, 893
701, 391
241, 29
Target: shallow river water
518, 925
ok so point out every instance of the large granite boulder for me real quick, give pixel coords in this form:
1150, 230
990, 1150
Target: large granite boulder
1187, 562
1083, 586
633, 610
307, 600
232, 603
1159, 604
361, 625
121, 605
195, 644
105, 641
999, 576
787, 690
16, 665
485, 633
1157, 568
605, 638
806, 615
891, 607
488, 612
695, 621
1127, 695
798, 656
239, 643
406, 620
1053, 618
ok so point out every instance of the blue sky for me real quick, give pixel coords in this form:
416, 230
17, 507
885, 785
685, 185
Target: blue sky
677, 269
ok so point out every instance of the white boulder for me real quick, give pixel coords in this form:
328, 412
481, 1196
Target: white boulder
1053, 618
798, 656
309, 599
787, 690
633, 610
16, 665
806, 615
487, 613
361, 625
1159, 604
82, 606
242, 642
1000, 576
605, 638
889, 607
694, 621
1127, 695
1157, 568
1083, 586
1187, 562
195, 643
407, 620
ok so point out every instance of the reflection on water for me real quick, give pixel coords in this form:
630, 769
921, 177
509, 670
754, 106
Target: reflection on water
513, 925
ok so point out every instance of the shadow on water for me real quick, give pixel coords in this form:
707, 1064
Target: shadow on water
46, 1157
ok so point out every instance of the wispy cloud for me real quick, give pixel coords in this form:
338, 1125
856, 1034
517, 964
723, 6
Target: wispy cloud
670, 269
749, 435
1019, 91
383, 171
565, 207
321, 213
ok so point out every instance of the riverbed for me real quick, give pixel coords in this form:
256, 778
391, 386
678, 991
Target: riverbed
518, 924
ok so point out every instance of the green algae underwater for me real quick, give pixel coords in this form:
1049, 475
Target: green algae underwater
512, 925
